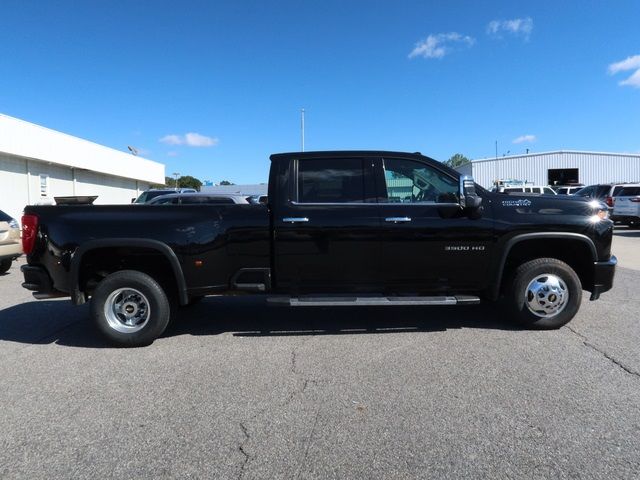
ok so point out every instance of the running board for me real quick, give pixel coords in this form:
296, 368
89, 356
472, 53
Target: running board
374, 301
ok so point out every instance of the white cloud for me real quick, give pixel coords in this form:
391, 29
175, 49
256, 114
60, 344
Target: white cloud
172, 140
525, 139
440, 44
629, 63
196, 140
518, 26
633, 80
190, 139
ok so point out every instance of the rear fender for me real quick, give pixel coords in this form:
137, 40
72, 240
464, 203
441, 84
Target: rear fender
78, 297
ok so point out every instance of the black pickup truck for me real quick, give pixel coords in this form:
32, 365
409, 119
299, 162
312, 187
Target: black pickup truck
340, 228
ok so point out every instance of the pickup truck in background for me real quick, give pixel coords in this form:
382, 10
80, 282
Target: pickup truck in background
343, 228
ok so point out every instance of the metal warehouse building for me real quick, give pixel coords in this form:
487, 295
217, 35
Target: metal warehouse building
38, 164
556, 168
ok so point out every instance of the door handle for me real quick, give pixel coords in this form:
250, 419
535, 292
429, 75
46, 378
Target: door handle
295, 219
398, 219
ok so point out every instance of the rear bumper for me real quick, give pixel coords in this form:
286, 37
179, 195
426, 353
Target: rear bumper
603, 273
11, 250
36, 279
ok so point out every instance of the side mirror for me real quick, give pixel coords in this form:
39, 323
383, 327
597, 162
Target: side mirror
133, 200
468, 196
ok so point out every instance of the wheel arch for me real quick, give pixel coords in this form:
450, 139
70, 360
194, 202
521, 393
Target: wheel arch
581, 257
77, 293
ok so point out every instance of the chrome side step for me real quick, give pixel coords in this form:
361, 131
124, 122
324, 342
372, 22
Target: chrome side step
374, 301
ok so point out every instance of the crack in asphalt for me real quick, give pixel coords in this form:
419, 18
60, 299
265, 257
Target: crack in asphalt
618, 363
308, 445
247, 457
302, 383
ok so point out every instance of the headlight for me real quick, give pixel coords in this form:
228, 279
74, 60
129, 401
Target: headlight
13, 223
603, 214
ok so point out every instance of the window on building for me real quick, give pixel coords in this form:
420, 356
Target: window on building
44, 185
409, 181
562, 176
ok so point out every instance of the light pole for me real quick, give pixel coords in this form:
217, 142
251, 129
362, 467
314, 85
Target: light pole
176, 174
302, 128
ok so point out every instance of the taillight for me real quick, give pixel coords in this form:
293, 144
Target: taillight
609, 201
29, 232
635, 199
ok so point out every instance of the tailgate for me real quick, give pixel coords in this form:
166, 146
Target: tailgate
627, 206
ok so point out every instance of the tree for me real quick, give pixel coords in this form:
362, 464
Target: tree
457, 160
226, 182
189, 182
183, 182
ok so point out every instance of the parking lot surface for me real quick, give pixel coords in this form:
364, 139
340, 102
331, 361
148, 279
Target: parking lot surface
240, 389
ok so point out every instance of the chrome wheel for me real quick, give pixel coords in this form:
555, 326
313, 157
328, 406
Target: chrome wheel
127, 310
546, 295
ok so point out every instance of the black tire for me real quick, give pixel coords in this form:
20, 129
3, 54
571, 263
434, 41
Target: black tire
5, 265
139, 293
554, 280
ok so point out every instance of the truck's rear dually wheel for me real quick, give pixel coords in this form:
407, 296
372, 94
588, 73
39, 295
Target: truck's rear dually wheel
130, 308
545, 293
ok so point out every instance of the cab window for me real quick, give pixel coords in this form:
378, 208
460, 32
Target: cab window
409, 181
331, 180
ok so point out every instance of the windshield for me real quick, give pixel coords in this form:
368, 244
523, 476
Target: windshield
151, 194
4, 217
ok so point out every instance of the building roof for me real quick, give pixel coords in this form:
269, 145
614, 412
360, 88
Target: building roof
25, 139
556, 152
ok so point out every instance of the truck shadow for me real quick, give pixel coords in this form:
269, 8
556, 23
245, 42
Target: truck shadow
254, 317
59, 322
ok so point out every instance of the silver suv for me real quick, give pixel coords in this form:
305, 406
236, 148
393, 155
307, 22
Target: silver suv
10, 246
148, 195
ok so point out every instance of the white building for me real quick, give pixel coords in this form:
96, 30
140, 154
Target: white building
556, 168
38, 164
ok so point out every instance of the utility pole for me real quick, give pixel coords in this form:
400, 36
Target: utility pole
302, 128
176, 174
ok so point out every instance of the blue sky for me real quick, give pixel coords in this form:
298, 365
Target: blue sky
435, 77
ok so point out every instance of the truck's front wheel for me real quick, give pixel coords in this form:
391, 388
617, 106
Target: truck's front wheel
130, 308
545, 293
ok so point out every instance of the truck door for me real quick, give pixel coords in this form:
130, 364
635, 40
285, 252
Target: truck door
427, 243
325, 230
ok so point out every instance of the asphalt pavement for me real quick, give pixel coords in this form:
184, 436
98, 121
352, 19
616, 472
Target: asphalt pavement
240, 389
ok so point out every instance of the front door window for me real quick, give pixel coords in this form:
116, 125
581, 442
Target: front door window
408, 181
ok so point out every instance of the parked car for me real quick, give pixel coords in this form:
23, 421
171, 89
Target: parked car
603, 191
527, 189
568, 189
335, 233
10, 246
626, 208
197, 198
149, 195
256, 199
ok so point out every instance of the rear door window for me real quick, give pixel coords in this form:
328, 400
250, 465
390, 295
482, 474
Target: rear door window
332, 180
629, 192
